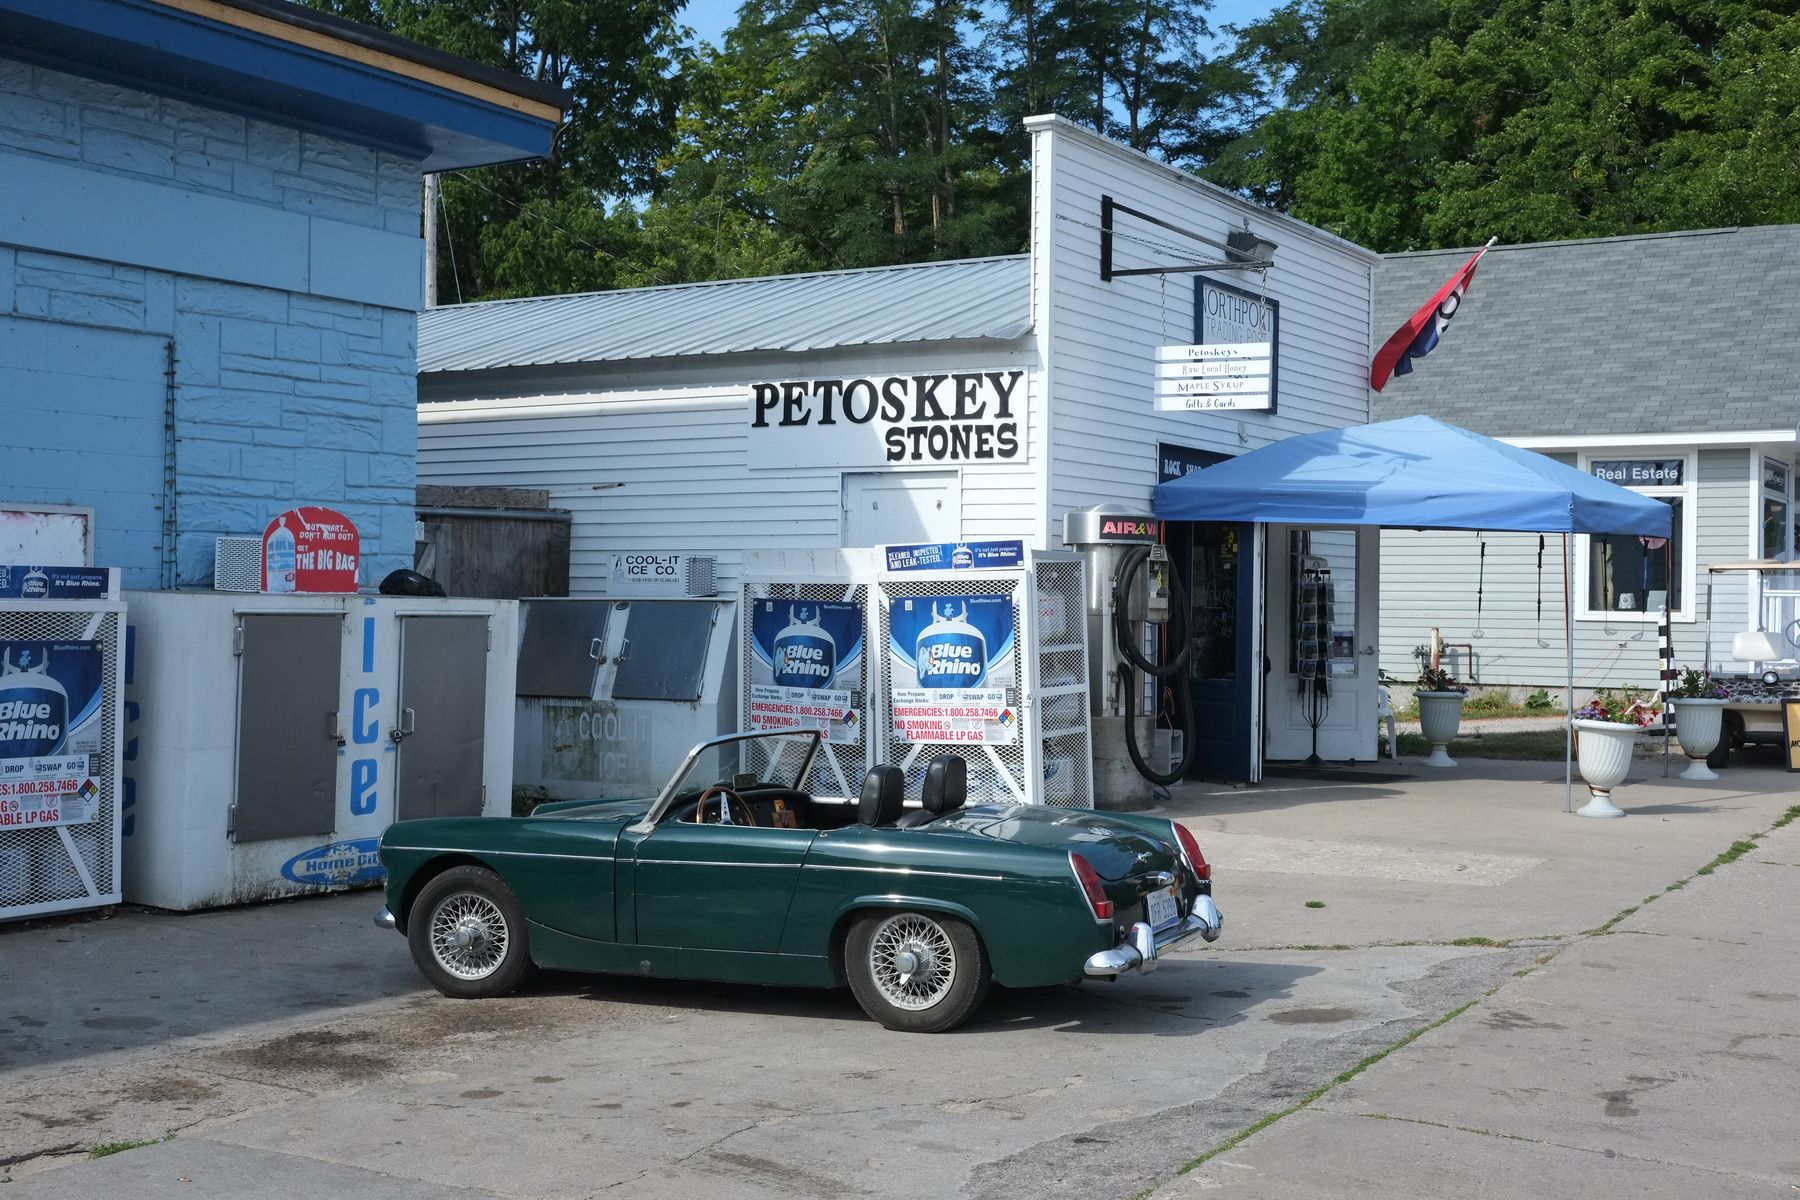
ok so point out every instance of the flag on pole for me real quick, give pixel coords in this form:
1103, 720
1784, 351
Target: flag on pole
1419, 336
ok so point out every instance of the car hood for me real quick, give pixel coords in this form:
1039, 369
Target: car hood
1115, 849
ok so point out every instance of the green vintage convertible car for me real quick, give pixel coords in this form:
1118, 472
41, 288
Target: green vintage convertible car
734, 873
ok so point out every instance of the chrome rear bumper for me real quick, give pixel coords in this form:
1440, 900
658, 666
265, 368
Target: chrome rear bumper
385, 919
1139, 950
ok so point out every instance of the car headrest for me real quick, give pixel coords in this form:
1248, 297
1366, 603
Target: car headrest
883, 796
946, 784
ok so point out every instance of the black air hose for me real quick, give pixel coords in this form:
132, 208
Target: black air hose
1130, 564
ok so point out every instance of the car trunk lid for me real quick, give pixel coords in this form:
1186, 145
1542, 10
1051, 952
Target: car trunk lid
1115, 849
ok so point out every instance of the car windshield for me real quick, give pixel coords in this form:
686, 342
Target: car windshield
747, 761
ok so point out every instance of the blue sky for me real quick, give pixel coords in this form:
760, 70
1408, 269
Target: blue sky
710, 18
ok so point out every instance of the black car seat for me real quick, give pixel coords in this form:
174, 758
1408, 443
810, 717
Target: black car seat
945, 788
883, 796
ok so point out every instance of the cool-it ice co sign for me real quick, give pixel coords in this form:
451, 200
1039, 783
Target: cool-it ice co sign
310, 549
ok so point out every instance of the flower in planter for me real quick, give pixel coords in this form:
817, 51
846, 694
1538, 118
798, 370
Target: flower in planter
1627, 706
1436, 679
1698, 685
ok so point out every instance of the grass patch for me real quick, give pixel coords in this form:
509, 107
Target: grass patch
1492, 704
1786, 817
1498, 943
1738, 850
106, 1148
1315, 904
1344, 1077
1524, 745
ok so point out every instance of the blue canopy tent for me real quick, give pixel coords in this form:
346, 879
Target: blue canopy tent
1413, 473
1417, 473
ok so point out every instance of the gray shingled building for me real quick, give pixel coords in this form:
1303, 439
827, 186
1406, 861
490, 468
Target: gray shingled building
1669, 363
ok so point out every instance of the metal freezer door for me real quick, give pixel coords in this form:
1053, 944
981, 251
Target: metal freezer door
289, 672
443, 716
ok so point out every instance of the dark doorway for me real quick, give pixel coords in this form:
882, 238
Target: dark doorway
1213, 562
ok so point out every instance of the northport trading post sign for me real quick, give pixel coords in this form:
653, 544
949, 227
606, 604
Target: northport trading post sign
951, 417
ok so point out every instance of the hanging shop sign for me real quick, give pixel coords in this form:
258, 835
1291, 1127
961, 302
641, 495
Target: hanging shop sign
954, 556
1230, 376
1640, 472
951, 665
57, 583
1231, 323
50, 725
310, 549
888, 420
806, 664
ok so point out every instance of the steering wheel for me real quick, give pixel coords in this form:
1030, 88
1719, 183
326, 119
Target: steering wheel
740, 810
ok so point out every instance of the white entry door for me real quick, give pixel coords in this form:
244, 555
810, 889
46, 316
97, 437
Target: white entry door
900, 507
1344, 632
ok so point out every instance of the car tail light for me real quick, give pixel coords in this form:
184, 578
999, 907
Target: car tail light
1089, 879
1190, 850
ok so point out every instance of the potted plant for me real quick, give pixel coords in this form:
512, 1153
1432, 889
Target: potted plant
1699, 706
1440, 699
1606, 730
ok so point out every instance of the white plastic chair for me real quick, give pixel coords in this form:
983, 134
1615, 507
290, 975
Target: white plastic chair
1384, 711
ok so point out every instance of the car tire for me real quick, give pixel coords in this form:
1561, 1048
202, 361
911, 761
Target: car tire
467, 934
916, 972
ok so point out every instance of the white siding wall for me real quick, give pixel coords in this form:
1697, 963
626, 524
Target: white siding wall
1100, 339
1429, 578
673, 436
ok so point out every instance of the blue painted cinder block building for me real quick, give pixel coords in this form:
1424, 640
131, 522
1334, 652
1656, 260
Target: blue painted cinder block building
211, 262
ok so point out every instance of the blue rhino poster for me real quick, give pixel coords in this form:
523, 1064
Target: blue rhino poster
51, 718
951, 666
806, 665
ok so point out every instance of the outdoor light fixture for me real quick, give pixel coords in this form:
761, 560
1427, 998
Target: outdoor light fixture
1257, 249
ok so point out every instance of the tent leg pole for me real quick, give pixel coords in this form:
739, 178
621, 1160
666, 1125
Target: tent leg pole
1569, 694
1666, 668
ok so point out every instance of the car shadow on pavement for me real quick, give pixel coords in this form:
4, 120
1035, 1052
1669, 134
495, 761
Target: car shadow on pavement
1187, 994
1217, 800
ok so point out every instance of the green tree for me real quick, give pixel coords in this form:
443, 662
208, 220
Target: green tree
850, 132
1412, 123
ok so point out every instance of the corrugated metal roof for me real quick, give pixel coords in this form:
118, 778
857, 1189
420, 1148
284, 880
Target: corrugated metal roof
975, 298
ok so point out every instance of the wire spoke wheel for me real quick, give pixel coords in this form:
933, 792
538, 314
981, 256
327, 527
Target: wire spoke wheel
469, 935
912, 961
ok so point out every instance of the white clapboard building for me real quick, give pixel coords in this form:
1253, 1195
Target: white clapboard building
944, 402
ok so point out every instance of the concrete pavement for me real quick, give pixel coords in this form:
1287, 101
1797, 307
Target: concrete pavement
1656, 1059
293, 1045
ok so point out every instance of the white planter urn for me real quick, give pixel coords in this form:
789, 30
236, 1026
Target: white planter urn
1603, 754
1439, 715
1698, 724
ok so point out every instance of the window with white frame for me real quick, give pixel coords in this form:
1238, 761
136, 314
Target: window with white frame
1630, 576
1775, 507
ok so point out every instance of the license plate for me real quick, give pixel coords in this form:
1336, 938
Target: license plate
1164, 909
